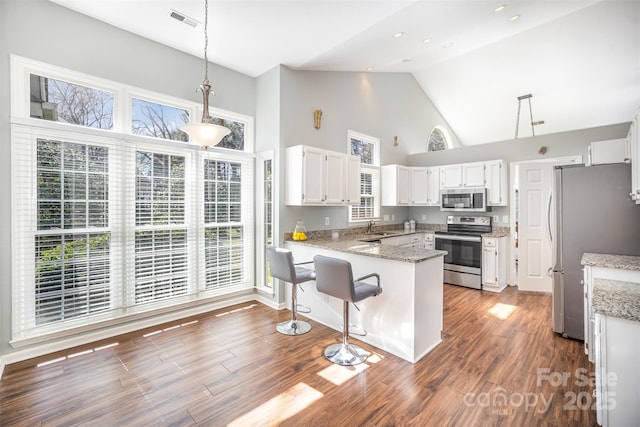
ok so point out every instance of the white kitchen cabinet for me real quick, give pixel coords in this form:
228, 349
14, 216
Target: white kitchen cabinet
451, 176
429, 241
617, 345
494, 263
496, 182
352, 192
433, 186
416, 240
462, 175
633, 146
473, 174
317, 177
419, 186
396, 189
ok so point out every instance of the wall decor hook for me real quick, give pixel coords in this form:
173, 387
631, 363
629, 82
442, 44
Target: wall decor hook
395, 141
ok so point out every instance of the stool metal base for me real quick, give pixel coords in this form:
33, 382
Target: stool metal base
293, 327
345, 354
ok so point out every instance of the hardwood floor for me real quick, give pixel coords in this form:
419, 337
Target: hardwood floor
499, 364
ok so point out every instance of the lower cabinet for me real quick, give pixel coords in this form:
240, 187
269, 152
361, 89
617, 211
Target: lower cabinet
617, 345
429, 241
494, 263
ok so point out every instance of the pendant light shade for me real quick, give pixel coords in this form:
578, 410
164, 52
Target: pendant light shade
205, 133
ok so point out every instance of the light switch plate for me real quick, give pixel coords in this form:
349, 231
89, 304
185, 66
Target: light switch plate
505, 219
424, 217
386, 217
326, 220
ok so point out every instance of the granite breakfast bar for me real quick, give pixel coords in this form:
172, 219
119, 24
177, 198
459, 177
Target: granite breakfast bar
407, 318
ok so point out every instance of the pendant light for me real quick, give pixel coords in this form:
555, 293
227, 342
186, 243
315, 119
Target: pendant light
205, 133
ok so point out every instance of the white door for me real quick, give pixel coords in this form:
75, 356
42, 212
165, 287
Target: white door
534, 246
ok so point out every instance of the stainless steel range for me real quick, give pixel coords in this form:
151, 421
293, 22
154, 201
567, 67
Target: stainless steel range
463, 243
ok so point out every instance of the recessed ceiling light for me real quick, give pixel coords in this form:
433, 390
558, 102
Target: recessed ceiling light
371, 68
514, 18
406, 60
427, 40
447, 44
500, 8
397, 35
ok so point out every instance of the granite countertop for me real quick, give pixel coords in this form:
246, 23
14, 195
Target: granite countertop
616, 298
356, 244
622, 262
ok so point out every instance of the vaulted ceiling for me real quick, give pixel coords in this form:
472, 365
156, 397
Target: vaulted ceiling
579, 59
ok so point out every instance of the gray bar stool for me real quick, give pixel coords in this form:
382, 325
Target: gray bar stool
334, 277
282, 267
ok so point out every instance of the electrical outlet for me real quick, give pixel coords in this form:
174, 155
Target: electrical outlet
424, 217
326, 220
505, 219
386, 217
393, 217
496, 218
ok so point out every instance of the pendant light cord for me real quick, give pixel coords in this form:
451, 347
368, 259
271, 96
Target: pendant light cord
206, 41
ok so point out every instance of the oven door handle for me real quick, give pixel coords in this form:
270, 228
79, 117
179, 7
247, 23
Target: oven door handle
460, 238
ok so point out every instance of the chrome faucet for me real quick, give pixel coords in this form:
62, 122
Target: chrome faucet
370, 226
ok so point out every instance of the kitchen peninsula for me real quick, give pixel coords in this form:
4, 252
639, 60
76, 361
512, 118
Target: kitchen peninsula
406, 319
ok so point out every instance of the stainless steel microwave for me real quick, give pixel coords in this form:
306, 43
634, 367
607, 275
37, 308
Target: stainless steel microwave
464, 200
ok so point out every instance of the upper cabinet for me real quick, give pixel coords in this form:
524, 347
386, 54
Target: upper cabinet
317, 177
419, 186
633, 147
473, 174
496, 182
396, 187
433, 186
462, 175
410, 186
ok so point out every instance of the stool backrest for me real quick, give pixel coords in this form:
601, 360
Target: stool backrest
281, 264
334, 277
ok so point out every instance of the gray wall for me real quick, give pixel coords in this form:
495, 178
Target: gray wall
382, 105
44, 31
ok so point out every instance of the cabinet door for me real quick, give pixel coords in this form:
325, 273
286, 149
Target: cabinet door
403, 185
496, 181
489, 266
313, 170
419, 190
473, 174
335, 172
433, 186
450, 176
352, 195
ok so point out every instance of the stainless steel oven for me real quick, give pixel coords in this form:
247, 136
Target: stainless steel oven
463, 243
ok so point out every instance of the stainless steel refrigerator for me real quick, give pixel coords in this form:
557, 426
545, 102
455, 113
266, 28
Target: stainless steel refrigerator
593, 213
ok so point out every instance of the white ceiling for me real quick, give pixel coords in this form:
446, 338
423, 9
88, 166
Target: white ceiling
580, 59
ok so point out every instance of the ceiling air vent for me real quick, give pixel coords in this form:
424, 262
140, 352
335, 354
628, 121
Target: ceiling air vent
183, 18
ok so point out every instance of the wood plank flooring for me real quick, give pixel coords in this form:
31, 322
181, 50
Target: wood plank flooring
499, 364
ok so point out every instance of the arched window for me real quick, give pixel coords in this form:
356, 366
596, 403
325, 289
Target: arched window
438, 140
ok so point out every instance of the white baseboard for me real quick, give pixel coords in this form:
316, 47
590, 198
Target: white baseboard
106, 333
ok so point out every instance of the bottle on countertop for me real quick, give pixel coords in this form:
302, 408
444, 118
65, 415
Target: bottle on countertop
407, 227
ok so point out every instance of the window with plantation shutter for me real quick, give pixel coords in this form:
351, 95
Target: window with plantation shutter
111, 227
71, 263
367, 147
223, 233
161, 233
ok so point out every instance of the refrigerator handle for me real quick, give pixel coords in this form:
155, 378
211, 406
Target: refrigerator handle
549, 200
